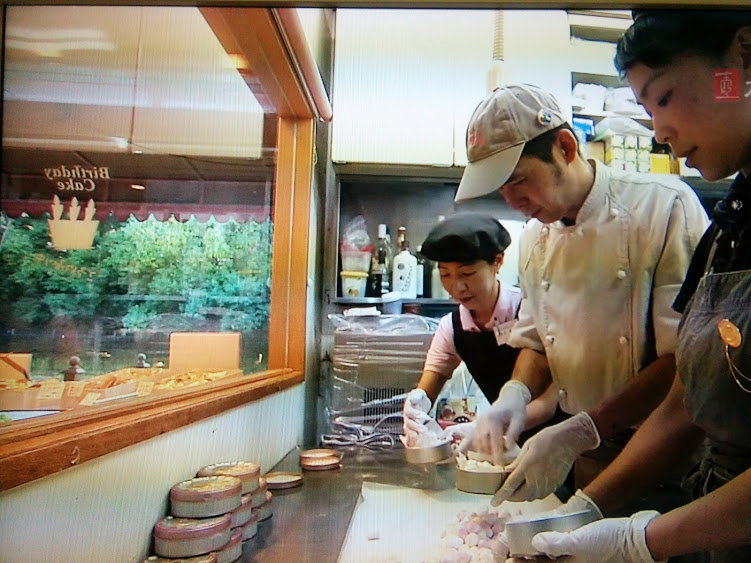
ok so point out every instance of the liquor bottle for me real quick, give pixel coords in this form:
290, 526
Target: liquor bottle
421, 279
404, 276
401, 236
437, 291
383, 255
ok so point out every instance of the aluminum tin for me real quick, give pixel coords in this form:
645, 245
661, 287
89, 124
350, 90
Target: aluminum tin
483, 482
184, 537
428, 455
247, 471
202, 497
521, 532
283, 480
233, 551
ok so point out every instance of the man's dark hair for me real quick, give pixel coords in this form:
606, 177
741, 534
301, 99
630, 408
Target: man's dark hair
658, 36
542, 146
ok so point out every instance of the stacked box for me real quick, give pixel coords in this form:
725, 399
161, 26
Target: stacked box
615, 152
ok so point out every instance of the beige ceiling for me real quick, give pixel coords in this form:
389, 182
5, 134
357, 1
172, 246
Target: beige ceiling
94, 85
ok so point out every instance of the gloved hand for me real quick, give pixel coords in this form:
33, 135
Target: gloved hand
415, 415
613, 540
459, 432
546, 459
578, 502
497, 429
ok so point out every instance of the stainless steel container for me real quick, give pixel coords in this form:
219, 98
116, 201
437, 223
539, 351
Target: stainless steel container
521, 530
484, 482
428, 455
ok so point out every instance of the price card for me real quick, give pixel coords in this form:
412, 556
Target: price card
89, 399
145, 388
51, 390
74, 388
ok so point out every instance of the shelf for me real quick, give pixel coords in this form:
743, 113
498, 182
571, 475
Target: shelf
601, 114
377, 301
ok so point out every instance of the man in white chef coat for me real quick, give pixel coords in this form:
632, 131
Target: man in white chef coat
601, 259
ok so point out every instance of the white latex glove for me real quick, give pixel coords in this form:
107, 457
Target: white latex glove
415, 415
578, 502
546, 459
613, 540
497, 429
459, 432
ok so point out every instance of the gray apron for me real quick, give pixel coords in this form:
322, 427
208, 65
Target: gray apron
714, 401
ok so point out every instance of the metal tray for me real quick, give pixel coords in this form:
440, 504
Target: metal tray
521, 531
428, 455
484, 482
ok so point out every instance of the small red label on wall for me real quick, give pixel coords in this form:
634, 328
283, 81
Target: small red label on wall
727, 84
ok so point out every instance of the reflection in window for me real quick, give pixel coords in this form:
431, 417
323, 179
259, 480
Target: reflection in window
135, 121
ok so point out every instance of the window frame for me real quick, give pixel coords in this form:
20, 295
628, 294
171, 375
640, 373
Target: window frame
34, 448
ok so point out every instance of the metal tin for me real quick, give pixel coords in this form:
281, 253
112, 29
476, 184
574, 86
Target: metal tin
264, 511
283, 480
521, 530
320, 459
233, 550
242, 513
187, 537
483, 482
251, 528
318, 453
202, 497
258, 497
247, 471
428, 455
208, 558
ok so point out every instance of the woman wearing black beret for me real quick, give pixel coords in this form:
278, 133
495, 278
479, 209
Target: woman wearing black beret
469, 249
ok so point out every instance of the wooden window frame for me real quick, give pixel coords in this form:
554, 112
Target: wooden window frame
35, 448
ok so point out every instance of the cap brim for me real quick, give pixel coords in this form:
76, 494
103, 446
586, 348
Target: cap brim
487, 175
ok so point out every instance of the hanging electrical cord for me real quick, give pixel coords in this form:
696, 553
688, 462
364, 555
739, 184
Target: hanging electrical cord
358, 431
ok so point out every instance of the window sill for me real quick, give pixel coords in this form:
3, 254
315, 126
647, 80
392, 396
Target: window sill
32, 449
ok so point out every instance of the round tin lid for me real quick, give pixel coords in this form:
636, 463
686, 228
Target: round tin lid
245, 503
261, 489
234, 539
320, 463
208, 558
241, 469
319, 453
283, 480
191, 528
204, 489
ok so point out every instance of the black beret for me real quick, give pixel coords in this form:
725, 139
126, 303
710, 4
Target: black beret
466, 237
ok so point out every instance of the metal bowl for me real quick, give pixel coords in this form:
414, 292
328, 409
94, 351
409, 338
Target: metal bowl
483, 482
521, 530
428, 455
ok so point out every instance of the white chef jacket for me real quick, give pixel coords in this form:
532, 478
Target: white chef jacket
442, 356
597, 295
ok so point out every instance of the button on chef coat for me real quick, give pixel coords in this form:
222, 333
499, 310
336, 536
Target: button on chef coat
610, 277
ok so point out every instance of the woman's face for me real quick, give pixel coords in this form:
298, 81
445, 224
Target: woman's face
472, 284
714, 135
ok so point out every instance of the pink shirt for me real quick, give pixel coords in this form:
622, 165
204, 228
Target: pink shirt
442, 357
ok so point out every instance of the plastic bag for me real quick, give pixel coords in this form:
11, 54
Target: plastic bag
405, 323
355, 235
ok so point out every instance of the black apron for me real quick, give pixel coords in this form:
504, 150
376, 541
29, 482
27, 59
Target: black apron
490, 364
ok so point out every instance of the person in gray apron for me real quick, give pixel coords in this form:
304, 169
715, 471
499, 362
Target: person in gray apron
692, 71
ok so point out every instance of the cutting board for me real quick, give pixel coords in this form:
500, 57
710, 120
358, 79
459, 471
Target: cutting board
397, 524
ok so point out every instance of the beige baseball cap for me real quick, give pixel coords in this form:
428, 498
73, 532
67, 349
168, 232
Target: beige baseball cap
505, 120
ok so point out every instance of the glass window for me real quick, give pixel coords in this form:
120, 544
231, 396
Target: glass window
137, 197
